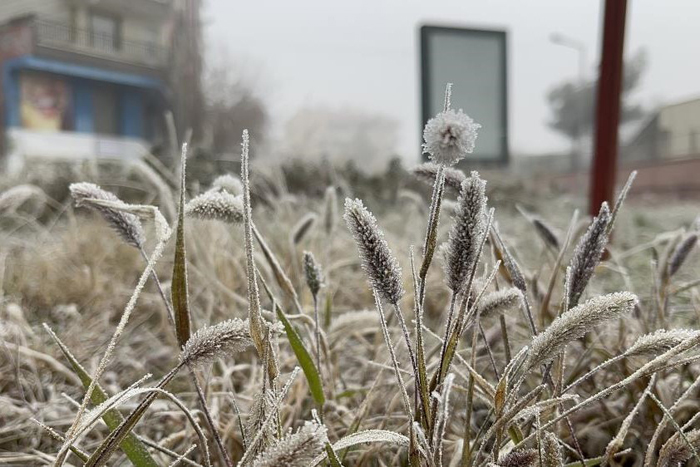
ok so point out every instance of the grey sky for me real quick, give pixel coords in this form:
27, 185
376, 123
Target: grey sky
363, 53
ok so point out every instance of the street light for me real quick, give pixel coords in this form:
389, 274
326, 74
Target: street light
580, 48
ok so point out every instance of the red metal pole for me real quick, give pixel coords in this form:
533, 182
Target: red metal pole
604, 168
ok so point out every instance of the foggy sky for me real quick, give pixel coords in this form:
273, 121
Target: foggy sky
363, 53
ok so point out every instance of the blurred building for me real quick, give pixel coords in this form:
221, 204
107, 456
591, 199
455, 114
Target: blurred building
672, 132
85, 78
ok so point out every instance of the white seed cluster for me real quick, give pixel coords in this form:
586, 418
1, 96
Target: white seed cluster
382, 269
587, 255
127, 225
575, 323
497, 303
295, 450
449, 137
660, 341
216, 205
229, 183
217, 341
467, 231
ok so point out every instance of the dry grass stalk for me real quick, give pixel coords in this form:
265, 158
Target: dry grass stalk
128, 226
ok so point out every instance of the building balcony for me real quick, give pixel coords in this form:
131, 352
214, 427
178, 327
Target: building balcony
62, 41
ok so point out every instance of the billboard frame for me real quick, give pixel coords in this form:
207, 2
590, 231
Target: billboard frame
501, 34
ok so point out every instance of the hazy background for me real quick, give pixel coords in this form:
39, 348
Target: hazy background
325, 59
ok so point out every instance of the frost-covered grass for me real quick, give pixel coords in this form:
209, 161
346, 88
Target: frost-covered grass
274, 330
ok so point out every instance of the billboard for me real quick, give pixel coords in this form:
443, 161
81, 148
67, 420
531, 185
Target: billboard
475, 61
44, 102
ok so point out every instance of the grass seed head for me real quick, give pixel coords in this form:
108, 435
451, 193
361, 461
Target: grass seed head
217, 341
660, 341
587, 254
295, 450
427, 172
382, 269
681, 252
497, 303
216, 205
575, 323
312, 273
229, 183
449, 137
468, 228
551, 451
519, 458
127, 225
676, 450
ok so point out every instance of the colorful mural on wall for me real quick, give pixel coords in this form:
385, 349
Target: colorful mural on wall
45, 102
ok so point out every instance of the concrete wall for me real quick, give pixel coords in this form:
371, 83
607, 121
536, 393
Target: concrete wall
54, 10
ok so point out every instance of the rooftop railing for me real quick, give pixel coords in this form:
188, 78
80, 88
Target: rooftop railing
108, 46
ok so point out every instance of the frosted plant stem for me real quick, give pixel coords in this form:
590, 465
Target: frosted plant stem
200, 393
210, 420
392, 354
488, 351
168, 306
448, 325
506, 340
157, 252
317, 332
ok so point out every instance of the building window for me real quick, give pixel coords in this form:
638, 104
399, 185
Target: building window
105, 31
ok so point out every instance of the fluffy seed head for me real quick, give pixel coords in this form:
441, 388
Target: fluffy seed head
127, 225
575, 323
295, 450
216, 205
229, 183
261, 408
12, 198
449, 136
382, 269
587, 255
546, 232
467, 231
676, 450
497, 303
312, 273
303, 227
212, 342
551, 451
660, 341
681, 253
427, 172
519, 458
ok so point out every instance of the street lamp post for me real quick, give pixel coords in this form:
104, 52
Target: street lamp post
580, 48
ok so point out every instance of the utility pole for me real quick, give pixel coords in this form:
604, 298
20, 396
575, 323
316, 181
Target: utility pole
604, 169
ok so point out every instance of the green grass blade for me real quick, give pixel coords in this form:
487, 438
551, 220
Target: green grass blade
181, 305
109, 445
134, 449
304, 358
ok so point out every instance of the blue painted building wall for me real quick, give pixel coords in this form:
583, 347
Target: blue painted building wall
131, 92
